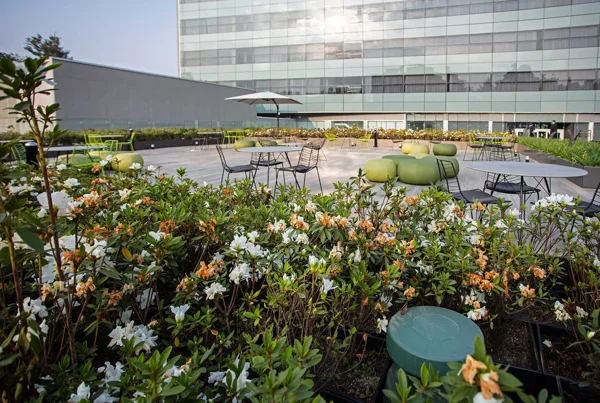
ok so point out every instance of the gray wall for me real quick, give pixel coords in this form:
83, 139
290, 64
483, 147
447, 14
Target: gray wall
93, 96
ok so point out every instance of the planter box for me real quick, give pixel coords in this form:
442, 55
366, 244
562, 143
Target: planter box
577, 363
589, 181
147, 144
374, 343
570, 391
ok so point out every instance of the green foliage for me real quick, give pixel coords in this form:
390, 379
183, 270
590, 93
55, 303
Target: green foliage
579, 152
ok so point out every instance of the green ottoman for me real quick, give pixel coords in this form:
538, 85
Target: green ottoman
103, 154
123, 161
418, 171
417, 148
418, 155
243, 144
448, 150
76, 160
380, 170
397, 158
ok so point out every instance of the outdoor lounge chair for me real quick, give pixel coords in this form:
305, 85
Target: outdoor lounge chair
451, 184
507, 184
248, 170
592, 207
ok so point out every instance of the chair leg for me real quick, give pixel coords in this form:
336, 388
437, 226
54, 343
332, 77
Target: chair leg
227, 176
323, 154
319, 176
304, 181
276, 180
296, 179
222, 174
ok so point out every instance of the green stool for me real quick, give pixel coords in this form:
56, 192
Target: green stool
430, 335
418, 155
243, 144
448, 150
411, 148
125, 160
397, 158
380, 170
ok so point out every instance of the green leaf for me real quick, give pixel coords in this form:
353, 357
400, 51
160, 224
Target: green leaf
509, 380
479, 353
175, 390
31, 239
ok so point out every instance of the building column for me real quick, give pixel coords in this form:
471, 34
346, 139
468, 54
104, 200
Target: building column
490, 126
591, 129
445, 125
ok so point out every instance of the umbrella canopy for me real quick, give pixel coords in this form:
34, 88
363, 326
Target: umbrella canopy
263, 98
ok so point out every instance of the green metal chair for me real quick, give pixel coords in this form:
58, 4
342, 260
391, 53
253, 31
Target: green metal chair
127, 143
331, 138
112, 146
19, 153
366, 139
477, 146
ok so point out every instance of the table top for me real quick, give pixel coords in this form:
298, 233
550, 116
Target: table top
292, 144
73, 148
269, 149
205, 133
112, 136
529, 169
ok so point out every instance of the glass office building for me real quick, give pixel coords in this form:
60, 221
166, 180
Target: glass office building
477, 64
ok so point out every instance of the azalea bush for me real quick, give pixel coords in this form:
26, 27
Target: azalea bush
579, 152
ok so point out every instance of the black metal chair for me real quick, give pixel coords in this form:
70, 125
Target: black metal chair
591, 208
477, 146
399, 142
449, 179
507, 184
318, 145
307, 161
248, 170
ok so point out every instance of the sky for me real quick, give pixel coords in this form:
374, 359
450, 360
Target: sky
133, 34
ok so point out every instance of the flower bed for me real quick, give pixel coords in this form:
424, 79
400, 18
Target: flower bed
139, 286
578, 152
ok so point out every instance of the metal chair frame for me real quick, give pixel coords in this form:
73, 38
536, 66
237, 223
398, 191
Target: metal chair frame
449, 179
249, 171
308, 160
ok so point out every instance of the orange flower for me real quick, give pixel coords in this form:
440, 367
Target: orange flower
409, 293
46, 291
470, 368
114, 298
516, 276
204, 271
342, 222
489, 385
412, 200
352, 235
527, 292
399, 265
478, 206
486, 286
365, 225
491, 275
167, 226
408, 247
539, 272
481, 260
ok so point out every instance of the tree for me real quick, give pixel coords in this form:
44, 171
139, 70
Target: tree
41, 47
11, 56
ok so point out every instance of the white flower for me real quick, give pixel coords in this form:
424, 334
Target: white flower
252, 236
477, 314
42, 213
239, 273
109, 158
285, 237
302, 238
296, 208
157, 235
336, 252
589, 335
423, 268
215, 377
124, 193
60, 201
140, 334
289, 280
103, 163
34, 307
111, 372
105, 398
44, 327
553, 200
255, 250
310, 207
135, 166
357, 256
327, 286
239, 243
478, 398
61, 167
242, 378
382, 325
214, 290
179, 312
71, 183
547, 343
313, 262
580, 313
146, 297
151, 168
561, 314
83, 392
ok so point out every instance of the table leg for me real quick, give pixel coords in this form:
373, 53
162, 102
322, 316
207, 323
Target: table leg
268, 167
521, 199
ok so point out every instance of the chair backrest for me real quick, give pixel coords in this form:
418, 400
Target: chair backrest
316, 144
94, 140
309, 157
497, 154
111, 145
132, 137
448, 176
596, 198
18, 152
220, 151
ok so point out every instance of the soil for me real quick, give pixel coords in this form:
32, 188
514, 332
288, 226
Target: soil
573, 394
359, 378
535, 313
560, 359
509, 343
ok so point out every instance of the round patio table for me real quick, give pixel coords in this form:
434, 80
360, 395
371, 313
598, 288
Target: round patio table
69, 149
528, 169
268, 150
291, 144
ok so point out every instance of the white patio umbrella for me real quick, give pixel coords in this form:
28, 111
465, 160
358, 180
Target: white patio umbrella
262, 98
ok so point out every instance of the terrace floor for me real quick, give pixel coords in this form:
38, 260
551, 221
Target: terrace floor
341, 164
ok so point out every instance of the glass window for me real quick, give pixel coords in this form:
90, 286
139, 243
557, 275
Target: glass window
297, 86
334, 51
226, 57
315, 51
555, 3
505, 47
315, 86
482, 8
505, 37
373, 85
262, 55
581, 80
556, 33
458, 10
583, 42
528, 4
279, 54
392, 84
480, 82
578, 32
458, 40
553, 44
555, 80
244, 55
353, 50
435, 12
506, 6
296, 53
245, 84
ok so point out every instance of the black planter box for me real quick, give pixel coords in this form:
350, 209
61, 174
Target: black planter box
570, 391
147, 144
374, 342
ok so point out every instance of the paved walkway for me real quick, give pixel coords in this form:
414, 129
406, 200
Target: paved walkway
341, 164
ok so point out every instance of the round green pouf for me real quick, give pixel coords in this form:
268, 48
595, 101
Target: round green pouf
123, 161
431, 335
397, 157
76, 160
406, 147
418, 171
448, 150
419, 148
103, 154
380, 170
243, 144
418, 155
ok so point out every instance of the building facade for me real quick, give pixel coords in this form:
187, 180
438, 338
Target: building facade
449, 64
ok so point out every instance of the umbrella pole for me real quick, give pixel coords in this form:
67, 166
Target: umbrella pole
277, 119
